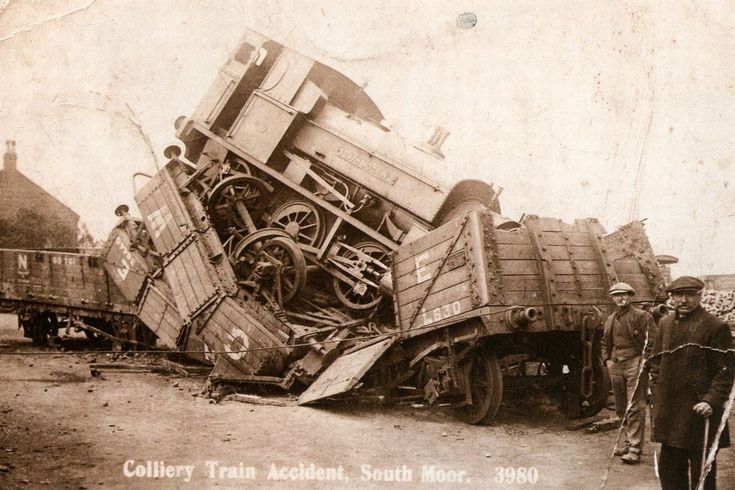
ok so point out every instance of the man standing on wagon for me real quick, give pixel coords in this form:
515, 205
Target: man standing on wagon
624, 338
691, 378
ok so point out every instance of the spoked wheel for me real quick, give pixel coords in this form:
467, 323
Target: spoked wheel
369, 261
301, 220
234, 201
484, 379
204, 181
270, 260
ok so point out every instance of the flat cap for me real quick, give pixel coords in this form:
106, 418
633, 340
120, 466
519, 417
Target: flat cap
621, 288
684, 283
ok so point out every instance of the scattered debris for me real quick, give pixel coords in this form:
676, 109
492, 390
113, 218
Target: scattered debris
120, 367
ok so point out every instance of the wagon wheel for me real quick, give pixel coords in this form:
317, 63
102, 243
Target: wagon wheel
484, 379
271, 260
301, 220
39, 330
233, 200
362, 296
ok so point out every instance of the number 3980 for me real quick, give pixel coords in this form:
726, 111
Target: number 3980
511, 475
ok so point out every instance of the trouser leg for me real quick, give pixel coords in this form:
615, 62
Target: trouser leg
673, 468
618, 384
636, 424
695, 460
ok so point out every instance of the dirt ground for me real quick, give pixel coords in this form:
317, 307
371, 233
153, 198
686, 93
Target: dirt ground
61, 427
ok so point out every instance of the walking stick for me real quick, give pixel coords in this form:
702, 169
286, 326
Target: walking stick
704, 452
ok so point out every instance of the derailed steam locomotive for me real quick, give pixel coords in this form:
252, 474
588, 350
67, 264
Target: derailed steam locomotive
295, 242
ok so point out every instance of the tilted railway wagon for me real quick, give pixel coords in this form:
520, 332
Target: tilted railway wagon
50, 289
472, 300
296, 241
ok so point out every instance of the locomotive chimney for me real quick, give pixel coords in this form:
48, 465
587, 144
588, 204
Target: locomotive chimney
10, 158
433, 144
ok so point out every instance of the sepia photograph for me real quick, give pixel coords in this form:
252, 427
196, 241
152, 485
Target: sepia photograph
344, 244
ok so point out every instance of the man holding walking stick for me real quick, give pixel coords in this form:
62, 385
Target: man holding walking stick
690, 380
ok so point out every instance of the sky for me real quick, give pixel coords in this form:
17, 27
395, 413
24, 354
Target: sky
614, 110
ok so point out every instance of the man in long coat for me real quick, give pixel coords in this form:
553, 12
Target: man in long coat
625, 336
690, 383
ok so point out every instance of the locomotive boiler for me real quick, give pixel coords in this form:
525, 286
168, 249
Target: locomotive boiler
296, 241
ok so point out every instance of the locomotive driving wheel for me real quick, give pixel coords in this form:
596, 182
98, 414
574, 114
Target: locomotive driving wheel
301, 220
484, 380
234, 200
368, 260
270, 260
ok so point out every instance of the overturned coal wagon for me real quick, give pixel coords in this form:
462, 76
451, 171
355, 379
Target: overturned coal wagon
296, 241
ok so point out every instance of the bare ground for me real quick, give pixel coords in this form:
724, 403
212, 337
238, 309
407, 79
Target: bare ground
61, 427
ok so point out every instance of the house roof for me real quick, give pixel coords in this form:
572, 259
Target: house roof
14, 183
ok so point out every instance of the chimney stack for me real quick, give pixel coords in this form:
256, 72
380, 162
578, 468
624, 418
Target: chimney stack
10, 158
433, 145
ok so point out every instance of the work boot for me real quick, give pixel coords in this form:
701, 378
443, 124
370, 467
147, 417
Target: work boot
631, 458
620, 450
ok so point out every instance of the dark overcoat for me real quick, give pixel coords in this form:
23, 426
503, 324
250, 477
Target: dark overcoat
689, 375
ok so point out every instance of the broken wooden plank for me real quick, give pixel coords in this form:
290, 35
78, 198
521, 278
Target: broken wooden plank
257, 400
184, 370
604, 425
582, 423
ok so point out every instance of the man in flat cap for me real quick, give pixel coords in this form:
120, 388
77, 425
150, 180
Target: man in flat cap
624, 338
690, 383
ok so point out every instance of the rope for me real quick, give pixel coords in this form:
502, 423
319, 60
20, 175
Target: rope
252, 349
328, 341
